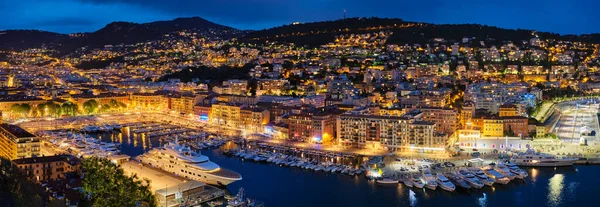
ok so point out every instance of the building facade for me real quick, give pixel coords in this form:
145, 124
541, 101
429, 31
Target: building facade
16, 142
47, 168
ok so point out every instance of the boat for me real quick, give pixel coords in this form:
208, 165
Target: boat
531, 158
521, 174
429, 179
417, 182
498, 177
184, 162
483, 177
502, 169
471, 179
387, 181
457, 180
407, 182
445, 183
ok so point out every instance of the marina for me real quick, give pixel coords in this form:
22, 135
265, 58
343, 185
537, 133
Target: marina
416, 179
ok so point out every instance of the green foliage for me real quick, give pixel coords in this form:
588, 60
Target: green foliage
16, 189
90, 106
21, 110
107, 185
69, 108
50, 109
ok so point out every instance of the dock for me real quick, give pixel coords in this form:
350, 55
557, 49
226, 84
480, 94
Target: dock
172, 190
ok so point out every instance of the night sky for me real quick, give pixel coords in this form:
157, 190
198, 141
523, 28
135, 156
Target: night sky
66, 16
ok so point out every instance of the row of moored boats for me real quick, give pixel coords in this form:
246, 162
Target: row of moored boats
465, 178
293, 161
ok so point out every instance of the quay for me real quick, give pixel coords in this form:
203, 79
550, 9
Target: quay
172, 190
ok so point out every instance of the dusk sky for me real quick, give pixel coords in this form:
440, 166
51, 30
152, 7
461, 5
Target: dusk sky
67, 16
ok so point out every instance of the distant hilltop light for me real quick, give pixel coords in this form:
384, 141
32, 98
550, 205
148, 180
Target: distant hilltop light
296, 23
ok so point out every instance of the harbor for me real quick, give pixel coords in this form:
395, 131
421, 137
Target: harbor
404, 179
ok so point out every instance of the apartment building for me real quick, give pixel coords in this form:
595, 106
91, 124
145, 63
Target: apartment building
47, 168
393, 133
16, 142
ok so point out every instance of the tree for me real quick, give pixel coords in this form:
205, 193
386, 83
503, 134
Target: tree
25, 109
69, 108
16, 189
105, 108
90, 106
50, 109
107, 185
20, 110
530, 111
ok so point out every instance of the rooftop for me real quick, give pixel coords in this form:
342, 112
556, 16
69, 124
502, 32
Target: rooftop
15, 130
47, 159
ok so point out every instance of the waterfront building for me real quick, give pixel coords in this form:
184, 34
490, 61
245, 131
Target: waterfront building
203, 111
517, 125
225, 114
47, 168
393, 133
316, 126
493, 127
148, 101
254, 119
16, 142
445, 119
183, 103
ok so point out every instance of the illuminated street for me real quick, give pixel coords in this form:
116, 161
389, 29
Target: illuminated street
577, 119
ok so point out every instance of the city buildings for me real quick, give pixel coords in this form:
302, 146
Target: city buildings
15, 142
393, 133
47, 168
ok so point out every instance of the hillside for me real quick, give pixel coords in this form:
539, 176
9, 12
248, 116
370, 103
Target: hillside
112, 33
319, 33
23, 39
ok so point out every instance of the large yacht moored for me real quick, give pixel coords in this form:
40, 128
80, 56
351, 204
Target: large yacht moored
533, 159
184, 162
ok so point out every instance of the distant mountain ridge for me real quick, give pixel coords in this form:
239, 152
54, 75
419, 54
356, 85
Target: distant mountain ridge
311, 34
112, 33
319, 33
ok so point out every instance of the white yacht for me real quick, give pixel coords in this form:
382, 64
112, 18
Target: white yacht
429, 179
417, 182
502, 169
471, 179
444, 183
483, 177
184, 162
521, 174
533, 159
498, 177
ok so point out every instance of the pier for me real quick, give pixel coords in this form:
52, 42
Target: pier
172, 190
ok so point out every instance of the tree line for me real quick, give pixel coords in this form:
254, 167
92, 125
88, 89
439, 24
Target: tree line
54, 109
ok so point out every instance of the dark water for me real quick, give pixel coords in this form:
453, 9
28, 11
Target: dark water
285, 186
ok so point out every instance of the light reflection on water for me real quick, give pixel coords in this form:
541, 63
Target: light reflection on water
412, 198
483, 200
555, 186
534, 173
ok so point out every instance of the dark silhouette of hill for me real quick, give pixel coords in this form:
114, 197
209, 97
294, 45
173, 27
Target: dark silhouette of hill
112, 34
319, 33
311, 34
23, 39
